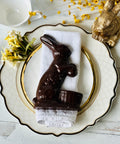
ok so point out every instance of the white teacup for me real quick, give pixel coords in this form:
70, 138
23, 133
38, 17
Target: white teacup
14, 12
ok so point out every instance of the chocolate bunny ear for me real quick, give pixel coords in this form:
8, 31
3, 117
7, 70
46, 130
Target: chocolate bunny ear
48, 41
109, 5
116, 9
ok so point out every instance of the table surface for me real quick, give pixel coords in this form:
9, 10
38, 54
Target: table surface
106, 130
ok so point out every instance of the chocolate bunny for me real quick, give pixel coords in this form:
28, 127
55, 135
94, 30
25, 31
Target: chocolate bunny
48, 90
107, 26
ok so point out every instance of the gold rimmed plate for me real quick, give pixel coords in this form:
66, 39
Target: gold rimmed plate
99, 77
30, 75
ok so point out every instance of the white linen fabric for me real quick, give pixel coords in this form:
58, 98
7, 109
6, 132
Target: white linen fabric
56, 118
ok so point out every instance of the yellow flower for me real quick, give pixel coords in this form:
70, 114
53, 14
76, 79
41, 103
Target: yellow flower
74, 16
29, 22
69, 6
19, 48
89, 4
74, 2
79, 2
7, 37
100, 11
96, 18
44, 16
84, 5
79, 8
88, 16
85, 16
63, 22
7, 52
77, 20
3, 56
95, 1
69, 12
59, 12
100, 7
92, 8
32, 13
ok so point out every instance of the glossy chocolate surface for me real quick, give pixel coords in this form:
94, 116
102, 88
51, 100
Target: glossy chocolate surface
49, 94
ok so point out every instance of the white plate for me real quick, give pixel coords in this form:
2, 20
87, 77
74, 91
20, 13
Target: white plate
104, 77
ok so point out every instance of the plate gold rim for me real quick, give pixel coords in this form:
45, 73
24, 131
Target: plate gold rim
84, 106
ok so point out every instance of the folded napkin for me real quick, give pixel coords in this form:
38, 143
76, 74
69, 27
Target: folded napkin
56, 118
61, 118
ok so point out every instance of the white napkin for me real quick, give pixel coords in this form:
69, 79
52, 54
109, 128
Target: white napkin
56, 118
61, 118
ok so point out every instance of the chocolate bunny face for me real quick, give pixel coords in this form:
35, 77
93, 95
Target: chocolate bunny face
57, 49
107, 27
